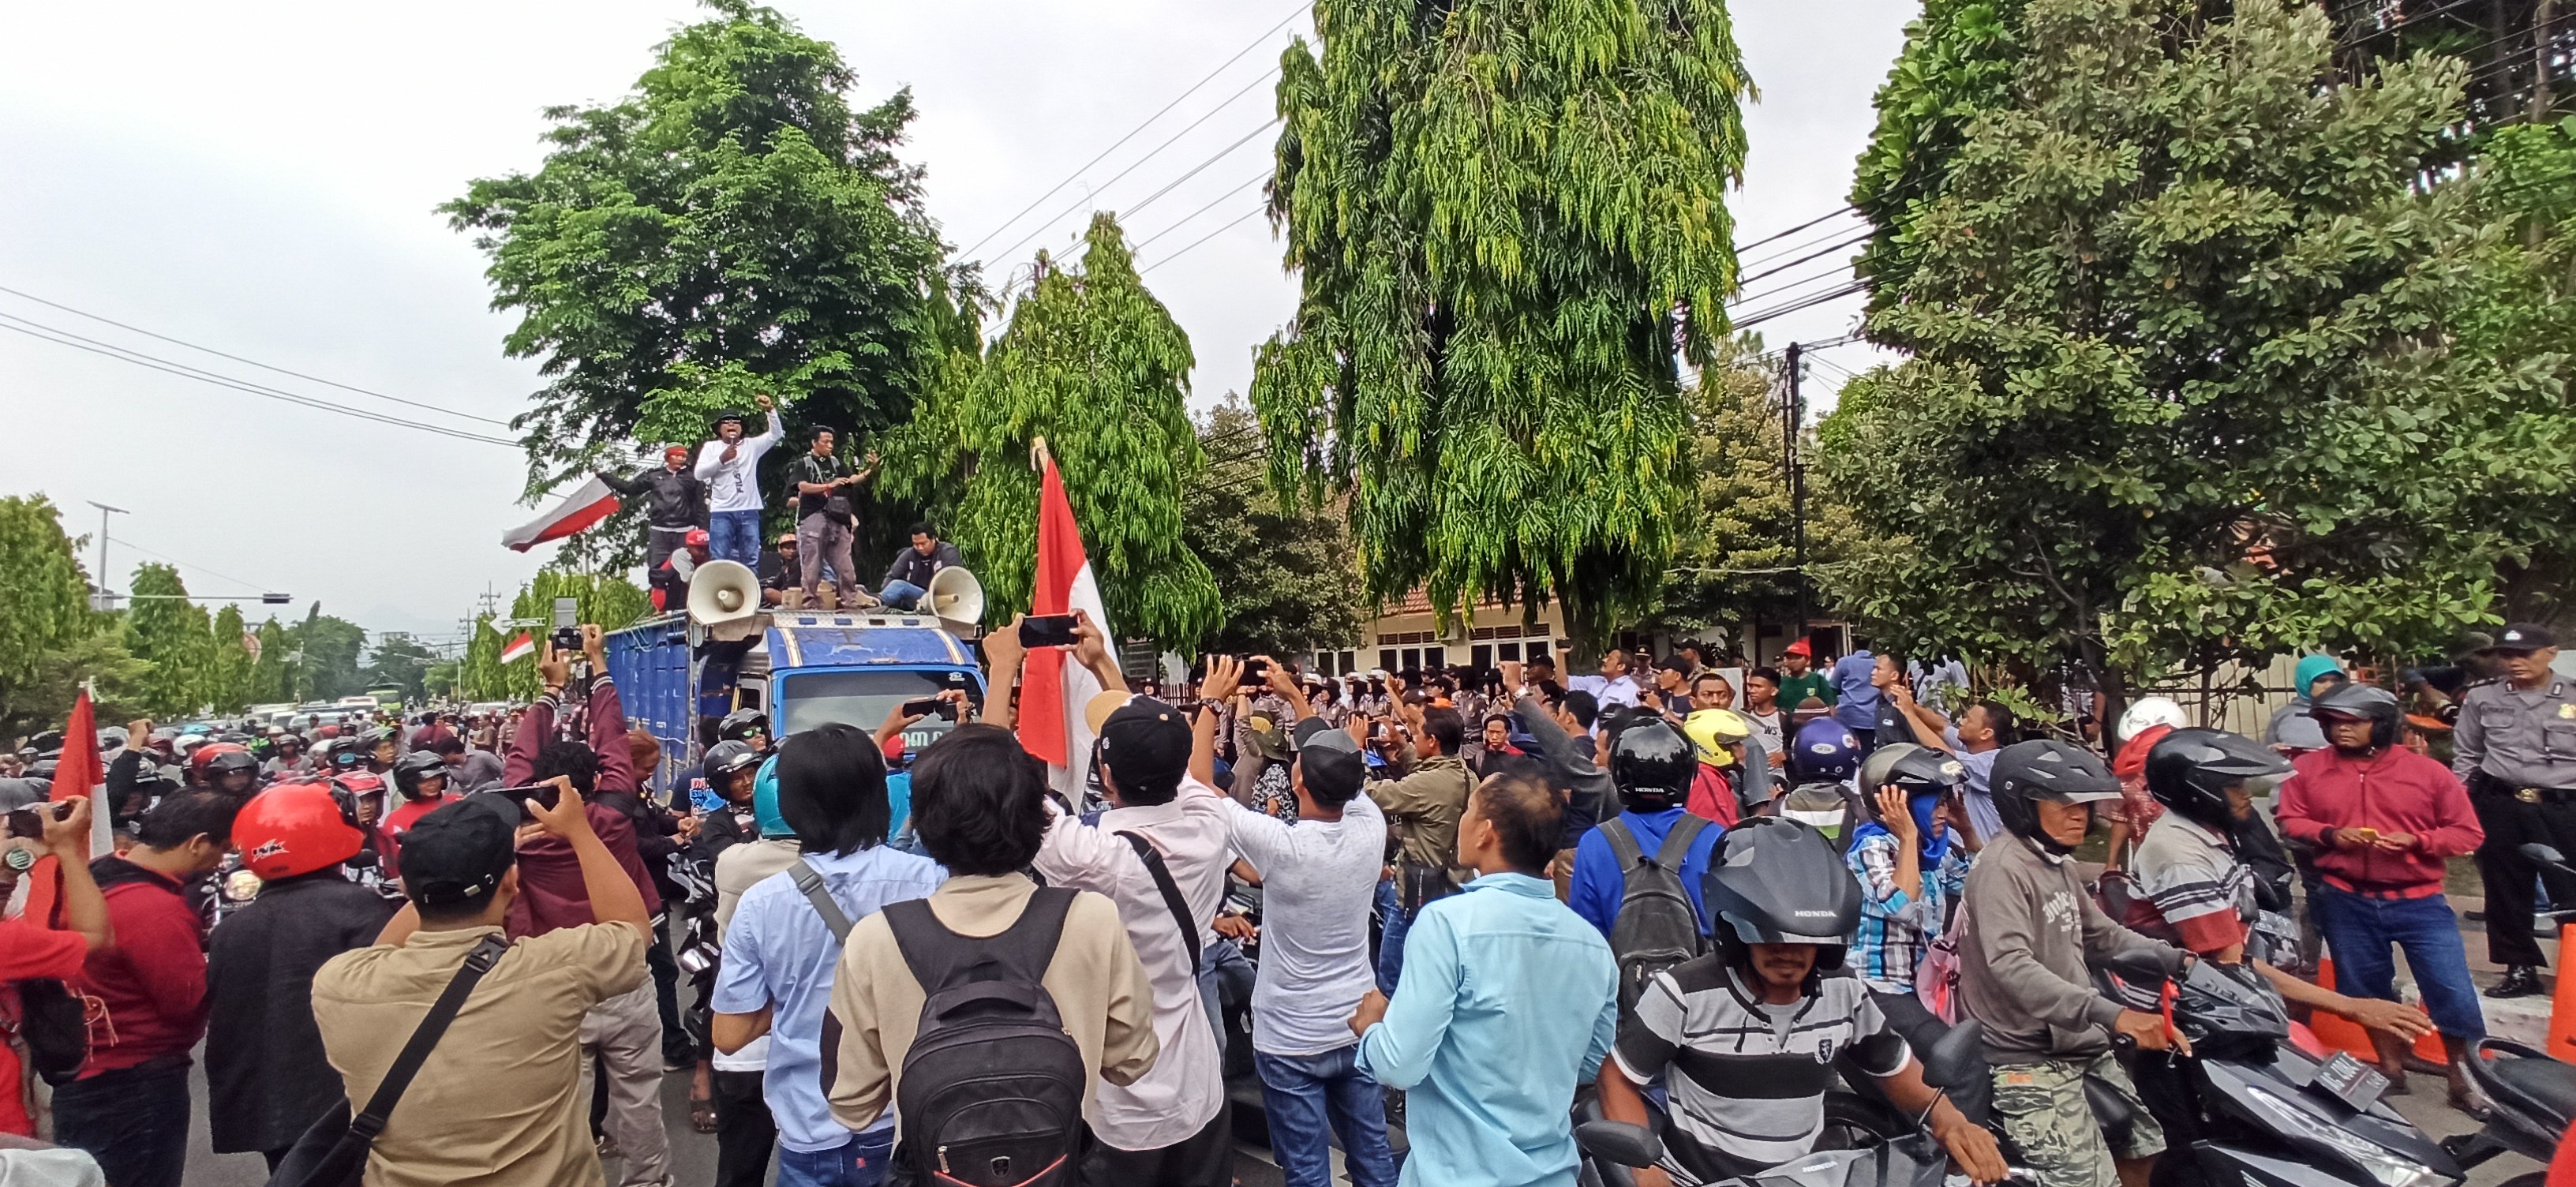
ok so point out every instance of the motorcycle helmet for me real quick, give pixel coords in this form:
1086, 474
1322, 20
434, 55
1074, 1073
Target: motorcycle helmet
1715, 733
229, 769
187, 744
1774, 881
726, 759
295, 828
49, 742
416, 768
201, 759
347, 755
2190, 770
1824, 807
743, 725
112, 737
1824, 752
1918, 770
764, 802
1652, 766
2147, 712
2360, 702
2046, 769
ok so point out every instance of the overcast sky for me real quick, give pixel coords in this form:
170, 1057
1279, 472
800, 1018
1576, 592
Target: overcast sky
259, 179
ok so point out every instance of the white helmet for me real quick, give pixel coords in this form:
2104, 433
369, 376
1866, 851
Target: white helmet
2148, 712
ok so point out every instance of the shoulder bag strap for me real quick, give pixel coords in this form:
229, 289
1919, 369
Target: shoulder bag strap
1180, 906
811, 883
433, 1026
1029, 943
1623, 844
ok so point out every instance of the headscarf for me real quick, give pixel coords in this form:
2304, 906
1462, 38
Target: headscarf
2310, 667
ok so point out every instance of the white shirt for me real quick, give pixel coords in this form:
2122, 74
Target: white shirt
1767, 731
735, 485
1318, 882
1182, 1091
1606, 691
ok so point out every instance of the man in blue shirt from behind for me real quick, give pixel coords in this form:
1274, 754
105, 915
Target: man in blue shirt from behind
1651, 766
1508, 1001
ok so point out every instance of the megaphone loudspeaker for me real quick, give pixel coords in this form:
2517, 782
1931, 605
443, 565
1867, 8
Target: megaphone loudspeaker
956, 596
724, 594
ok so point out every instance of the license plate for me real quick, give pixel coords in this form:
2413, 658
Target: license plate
2351, 1081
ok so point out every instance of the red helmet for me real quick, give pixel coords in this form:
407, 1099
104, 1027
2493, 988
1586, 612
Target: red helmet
204, 757
696, 538
295, 828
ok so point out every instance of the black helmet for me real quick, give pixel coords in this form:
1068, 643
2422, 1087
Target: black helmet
411, 769
1652, 765
742, 725
725, 758
729, 414
2190, 770
235, 761
2046, 769
2367, 702
1775, 881
1919, 770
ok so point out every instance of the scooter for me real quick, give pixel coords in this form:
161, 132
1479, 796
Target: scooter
1612, 1149
2534, 1094
2268, 1113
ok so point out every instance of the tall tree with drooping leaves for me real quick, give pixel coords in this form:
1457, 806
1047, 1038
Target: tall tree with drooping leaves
2182, 386
484, 677
1095, 365
175, 636
46, 608
1508, 219
1283, 569
399, 661
330, 647
273, 674
608, 601
228, 676
731, 227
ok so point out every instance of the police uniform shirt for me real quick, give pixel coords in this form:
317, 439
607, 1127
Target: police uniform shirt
2520, 737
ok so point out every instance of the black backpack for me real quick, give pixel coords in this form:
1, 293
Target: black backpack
1657, 927
991, 1093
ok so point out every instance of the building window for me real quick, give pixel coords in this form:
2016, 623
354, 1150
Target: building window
1481, 656
1386, 658
1537, 650
1509, 653
1435, 659
1350, 662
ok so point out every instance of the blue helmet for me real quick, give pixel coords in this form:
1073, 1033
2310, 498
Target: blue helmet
764, 801
1825, 751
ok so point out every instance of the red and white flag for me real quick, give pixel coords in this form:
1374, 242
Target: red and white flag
81, 771
1054, 690
577, 513
521, 647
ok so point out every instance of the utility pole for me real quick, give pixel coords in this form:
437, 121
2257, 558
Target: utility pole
1794, 472
107, 601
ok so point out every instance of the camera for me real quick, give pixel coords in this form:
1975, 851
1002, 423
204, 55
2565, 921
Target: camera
567, 624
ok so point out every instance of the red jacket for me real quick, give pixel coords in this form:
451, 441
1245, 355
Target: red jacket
2395, 791
551, 894
153, 978
1711, 798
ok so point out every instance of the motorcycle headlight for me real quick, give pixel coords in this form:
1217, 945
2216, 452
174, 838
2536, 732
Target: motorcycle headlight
2388, 1168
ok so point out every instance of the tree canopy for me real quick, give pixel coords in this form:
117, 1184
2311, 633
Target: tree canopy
1507, 218
1284, 569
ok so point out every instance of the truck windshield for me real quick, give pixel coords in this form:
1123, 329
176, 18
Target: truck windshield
860, 698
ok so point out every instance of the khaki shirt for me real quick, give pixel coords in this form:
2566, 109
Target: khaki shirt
1422, 810
499, 1100
1100, 992
2521, 738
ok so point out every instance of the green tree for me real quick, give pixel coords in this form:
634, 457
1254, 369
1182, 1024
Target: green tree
228, 677
484, 677
611, 602
273, 676
730, 227
330, 648
1095, 365
1508, 218
44, 610
1284, 570
1958, 62
2180, 387
175, 637
400, 662
2525, 317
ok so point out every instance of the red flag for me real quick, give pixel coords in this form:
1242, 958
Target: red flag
79, 772
1054, 692
576, 513
521, 647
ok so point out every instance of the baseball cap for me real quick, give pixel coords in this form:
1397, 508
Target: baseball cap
2523, 637
1799, 648
455, 856
1331, 760
1146, 744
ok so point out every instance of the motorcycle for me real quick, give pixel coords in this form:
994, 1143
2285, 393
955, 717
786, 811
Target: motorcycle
1611, 1150
2534, 1094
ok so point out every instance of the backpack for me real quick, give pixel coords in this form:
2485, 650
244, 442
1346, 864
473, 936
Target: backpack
1657, 927
1936, 980
53, 1022
991, 1093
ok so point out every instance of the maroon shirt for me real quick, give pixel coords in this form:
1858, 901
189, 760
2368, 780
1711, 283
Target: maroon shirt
551, 894
153, 978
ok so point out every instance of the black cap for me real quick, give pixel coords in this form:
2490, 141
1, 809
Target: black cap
729, 414
1146, 744
455, 856
1331, 760
2523, 637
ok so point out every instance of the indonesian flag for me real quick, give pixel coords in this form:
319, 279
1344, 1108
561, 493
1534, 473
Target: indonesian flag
521, 647
577, 513
1053, 690
81, 772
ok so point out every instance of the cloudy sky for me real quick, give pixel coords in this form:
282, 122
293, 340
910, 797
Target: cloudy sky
258, 179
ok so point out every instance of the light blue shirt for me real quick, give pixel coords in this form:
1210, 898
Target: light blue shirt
779, 954
1508, 1001
1856, 703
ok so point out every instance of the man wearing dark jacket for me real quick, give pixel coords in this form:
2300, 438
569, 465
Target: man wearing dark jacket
674, 502
907, 580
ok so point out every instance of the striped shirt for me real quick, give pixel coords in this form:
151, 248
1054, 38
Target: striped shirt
2201, 892
1747, 1079
1897, 928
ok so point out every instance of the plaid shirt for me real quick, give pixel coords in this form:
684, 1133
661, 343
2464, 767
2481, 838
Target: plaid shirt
1895, 928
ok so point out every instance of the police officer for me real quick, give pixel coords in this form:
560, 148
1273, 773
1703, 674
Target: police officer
2516, 750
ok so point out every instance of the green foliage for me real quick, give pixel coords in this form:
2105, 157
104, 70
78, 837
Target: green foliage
2182, 388
399, 662
1284, 569
44, 611
609, 601
2526, 318
484, 677
228, 676
175, 637
1958, 62
274, 674
731, 227
1506, 216
329, 647
1095, 365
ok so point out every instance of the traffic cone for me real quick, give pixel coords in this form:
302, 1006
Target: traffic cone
2562, 1004
2343, 1034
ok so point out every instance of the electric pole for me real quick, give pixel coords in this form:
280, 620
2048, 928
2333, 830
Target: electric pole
1794, 473
106, 600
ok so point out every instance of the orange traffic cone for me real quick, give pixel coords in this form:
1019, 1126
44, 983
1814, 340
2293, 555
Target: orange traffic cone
2343, 1034
2562, 1005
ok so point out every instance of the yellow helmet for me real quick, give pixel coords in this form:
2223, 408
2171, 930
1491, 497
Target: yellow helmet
1715, 732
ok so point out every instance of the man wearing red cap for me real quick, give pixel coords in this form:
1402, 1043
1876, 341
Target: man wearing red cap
674, 502
1799, 678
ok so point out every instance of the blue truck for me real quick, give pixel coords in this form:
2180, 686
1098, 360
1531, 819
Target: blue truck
803, 668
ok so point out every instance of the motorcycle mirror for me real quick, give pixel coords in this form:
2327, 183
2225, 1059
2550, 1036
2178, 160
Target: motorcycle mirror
1952, 1059
1619, 1142
2543, 854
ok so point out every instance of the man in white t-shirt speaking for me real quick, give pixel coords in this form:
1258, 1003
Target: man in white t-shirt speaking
730, 468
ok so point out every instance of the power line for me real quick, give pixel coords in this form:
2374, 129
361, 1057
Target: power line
239, 359
1246, 216
1256, 179
1092, 199
1132, 133
1846, 208
125, 543
1272, 122
1827, 250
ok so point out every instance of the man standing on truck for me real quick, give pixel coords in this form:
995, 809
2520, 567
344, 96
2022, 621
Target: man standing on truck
730, 466
674, 502
824, 518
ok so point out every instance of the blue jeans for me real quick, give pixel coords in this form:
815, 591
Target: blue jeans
134, 1121
1223, 973
901, 595
734, 536
2359, 930
1300, 1092
1393, 924
860, 1162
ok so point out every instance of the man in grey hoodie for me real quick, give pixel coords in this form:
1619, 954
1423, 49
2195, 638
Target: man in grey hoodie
2031, 929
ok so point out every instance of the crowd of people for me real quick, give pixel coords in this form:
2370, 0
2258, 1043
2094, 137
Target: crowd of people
1436, 918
